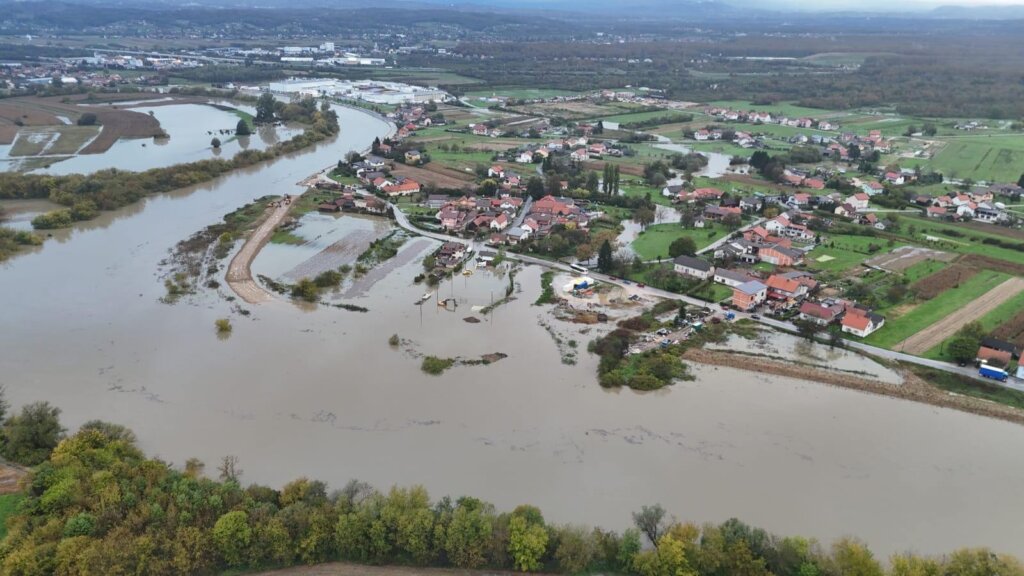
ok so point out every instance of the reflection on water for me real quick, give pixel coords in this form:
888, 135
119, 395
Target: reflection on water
320, 393
191, 128
718, 163
778, 345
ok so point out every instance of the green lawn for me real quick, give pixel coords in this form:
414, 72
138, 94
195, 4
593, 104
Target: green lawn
654, 242
8, 505
844, 252
711, 291
833, 259
924, 315
639, 190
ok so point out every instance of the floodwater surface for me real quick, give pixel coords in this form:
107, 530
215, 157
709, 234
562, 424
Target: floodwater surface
191, 128
318, 392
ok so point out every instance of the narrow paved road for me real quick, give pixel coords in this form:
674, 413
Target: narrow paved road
239, 275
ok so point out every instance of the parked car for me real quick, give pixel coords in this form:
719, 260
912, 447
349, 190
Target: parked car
755, 316
641, 285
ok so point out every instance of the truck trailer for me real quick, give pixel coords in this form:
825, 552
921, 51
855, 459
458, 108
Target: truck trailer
993, 373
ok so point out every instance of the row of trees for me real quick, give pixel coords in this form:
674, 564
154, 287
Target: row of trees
86, 195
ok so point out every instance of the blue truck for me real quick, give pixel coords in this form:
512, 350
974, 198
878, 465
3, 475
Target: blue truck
993, 373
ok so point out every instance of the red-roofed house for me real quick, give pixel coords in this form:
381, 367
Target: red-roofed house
1000, 358
404, 188
822, 315
861, 323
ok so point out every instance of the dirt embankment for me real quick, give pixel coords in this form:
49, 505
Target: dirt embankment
913, 387
239, 275
343, 569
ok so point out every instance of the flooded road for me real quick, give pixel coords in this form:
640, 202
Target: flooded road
318, 392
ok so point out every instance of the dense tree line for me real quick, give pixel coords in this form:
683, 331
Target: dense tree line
97, 505
86, 195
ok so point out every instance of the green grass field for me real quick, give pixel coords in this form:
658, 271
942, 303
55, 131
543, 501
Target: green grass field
922, 269
8, 505
968, 243
924, 315
997, 158
653, 243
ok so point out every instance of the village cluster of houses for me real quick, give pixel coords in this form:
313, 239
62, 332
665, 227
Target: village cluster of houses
470, 214
781, 292
410, 117
351, 202
580, 149
543, 215
980, 206
755, 117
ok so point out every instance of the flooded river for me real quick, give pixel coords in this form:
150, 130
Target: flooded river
318, 392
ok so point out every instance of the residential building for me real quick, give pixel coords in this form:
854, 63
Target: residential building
693, 267
732, 278
993, 357
749, 295
780, 255
820, 313
861, 323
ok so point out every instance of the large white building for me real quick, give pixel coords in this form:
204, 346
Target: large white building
369, 90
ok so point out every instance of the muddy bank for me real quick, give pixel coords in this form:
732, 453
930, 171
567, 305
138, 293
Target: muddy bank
913, 387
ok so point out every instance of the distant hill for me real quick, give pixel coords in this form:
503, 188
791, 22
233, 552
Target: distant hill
979, 12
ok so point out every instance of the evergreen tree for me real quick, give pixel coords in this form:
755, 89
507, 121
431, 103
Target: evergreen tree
615, 179
242, 129
604, 257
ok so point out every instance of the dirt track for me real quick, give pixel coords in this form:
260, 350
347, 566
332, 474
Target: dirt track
239, 275
936, 333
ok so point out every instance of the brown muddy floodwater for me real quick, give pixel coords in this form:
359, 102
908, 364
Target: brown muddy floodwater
319, 393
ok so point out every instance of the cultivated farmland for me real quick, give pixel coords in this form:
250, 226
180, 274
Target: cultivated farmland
922, 341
